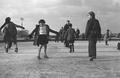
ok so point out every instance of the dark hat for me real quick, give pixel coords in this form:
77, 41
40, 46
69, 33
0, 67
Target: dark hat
42, 21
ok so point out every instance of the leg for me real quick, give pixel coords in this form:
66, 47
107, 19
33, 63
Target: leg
6, 47
16, 48
106, 42
89, 48
35, 41
15, 42
73, 47
70, 47
66, 43
45, 49
9, 44
93, 50
5, 39
39, 52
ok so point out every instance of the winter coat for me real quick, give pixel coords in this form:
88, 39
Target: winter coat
70, 34
67, 26
93, 29
10, 31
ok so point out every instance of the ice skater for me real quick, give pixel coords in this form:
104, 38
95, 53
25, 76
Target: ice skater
61, 34
42, 30
10, 34
70, 37
65, 29
107, 37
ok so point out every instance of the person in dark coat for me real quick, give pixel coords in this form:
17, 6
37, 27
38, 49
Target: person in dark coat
10, 33
107, 37
67, 25
70, 37
42, 31
77, 33
61, 33
93, 33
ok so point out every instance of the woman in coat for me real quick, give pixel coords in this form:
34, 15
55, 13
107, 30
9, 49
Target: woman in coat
93, 32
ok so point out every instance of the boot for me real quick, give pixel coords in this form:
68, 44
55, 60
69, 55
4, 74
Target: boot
16, 50
45, 56
70, 49
6, 50
38, 57
91, 59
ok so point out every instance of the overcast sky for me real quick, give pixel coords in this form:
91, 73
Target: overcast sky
56, 12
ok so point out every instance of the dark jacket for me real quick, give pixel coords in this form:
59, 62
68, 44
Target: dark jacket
67, 26
10, 28
70, 34
10, 31
93, 29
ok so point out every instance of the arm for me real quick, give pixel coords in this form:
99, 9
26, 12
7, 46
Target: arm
53, 31
87, 30
34, 30
74, 34
2, 26
99, 30
18, 26
65, 35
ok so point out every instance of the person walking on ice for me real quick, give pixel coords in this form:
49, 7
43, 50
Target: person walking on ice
10, 34
42, 31
93, 33
65, 29
107, 36
70, 37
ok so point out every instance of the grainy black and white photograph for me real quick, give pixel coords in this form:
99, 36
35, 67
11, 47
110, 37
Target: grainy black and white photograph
59, 38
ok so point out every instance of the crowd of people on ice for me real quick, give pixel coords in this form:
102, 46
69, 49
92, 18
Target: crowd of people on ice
67, 35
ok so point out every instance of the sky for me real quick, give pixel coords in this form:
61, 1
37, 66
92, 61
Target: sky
56, 12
